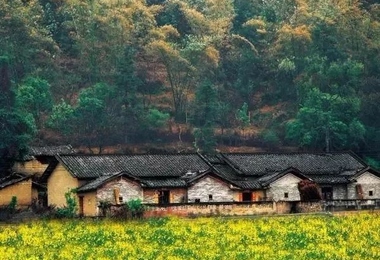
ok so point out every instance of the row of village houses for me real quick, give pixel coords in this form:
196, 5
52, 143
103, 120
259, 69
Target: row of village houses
184, 178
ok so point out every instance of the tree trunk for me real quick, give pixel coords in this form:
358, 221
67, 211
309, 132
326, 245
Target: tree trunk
327, 139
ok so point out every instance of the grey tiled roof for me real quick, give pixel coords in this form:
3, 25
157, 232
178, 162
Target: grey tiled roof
335, 168
225, 171
51, 150
245, 171
169, 165
213, 158
228, 173
265, 179
271, 177
92, 185
328, 179
350, 172
164, 183
307, 163
358, 173
36, 151
12, 179
249, 184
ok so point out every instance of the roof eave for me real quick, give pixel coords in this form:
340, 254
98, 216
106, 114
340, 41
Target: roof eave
79, 191
60, 159
9, 183
366, 169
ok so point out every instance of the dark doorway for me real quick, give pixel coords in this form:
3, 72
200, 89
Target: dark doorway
80, 205
163, 197
42, 199
327, 193
247, 196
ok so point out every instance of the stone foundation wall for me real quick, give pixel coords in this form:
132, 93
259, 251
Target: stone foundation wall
308, 207
215, 209
254, 208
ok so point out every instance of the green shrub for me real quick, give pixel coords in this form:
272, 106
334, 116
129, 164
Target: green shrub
12, 205
6, 212
105, 207
70, 210
129, 210
135, 208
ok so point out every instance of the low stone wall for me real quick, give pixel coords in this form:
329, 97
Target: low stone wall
309, 207
215, 209
251, 208
345, 205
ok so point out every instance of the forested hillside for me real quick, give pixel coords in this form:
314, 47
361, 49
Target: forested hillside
266, 73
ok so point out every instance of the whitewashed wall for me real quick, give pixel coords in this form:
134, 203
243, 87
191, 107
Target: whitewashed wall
128, 190
339, 192
286, 184
219, 190
369, 182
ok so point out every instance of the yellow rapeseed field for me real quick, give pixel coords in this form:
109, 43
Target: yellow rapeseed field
355, 236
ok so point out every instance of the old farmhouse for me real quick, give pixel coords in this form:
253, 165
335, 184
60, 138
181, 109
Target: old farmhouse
38, 159
196, 178
24, 182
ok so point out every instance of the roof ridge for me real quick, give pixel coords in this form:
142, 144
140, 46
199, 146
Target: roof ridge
232, 165
291, 153
127, 154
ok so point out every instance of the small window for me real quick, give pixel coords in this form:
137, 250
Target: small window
120, 199
210, 197
197, 200
370, 193
286, 195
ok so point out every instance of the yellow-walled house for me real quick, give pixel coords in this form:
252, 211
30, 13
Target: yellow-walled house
19, 186
58, 184
38, 159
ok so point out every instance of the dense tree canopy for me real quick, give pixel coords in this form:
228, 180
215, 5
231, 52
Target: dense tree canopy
295, 72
